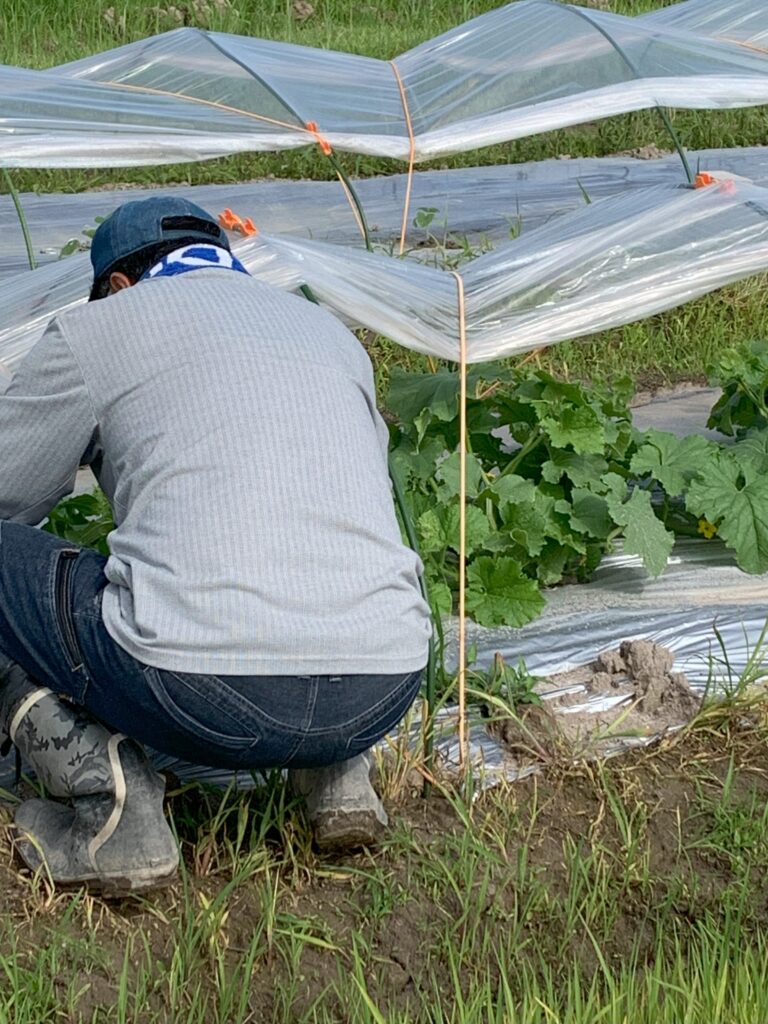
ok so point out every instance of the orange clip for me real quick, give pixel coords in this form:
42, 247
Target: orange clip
322, 142
703, 179
231, 222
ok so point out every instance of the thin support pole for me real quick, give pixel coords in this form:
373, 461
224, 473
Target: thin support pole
22, 218
463, 759
411, 154
354, 200
310, 127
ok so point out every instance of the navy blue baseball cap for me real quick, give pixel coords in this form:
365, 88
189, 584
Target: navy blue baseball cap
142, 223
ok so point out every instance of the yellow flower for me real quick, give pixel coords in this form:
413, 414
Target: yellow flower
707, 529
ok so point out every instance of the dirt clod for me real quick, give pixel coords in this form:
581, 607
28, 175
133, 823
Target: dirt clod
626, 696
301, 11
611, 662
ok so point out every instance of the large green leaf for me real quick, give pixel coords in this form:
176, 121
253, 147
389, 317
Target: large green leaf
512, 490
439, 529
447, 474
551, 564
644, 533
440, 597
589, 514
499, 594
418, 462
671, 460
410, 393
735, 499
752, 453
743, 374
531, 524
580, 469
581, 427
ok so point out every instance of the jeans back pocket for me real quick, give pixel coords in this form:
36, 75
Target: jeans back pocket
205, 708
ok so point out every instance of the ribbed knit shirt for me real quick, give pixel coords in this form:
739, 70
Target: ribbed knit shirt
234, 430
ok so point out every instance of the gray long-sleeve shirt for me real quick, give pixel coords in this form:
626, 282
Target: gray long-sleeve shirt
245, 463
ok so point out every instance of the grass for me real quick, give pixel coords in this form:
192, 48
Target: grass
629, 890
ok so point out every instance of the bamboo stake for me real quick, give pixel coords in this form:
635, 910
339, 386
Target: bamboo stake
463, 759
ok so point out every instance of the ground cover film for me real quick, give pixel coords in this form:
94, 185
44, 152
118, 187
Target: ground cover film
596, 853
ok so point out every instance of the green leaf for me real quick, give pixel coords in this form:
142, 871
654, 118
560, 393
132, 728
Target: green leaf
590, 514
526, 527
417, 462
752, 453
743, 374
439, 529
447, 474
440, 598
499, 594
433, 535
424, 216
73, 245
531, 525
580, 469
612, 485
737, 503
671, 460
551, 564
512, 490
644, 533
411, 393
582, 428
85, 519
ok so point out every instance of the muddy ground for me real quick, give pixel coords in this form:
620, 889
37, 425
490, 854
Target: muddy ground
400, 900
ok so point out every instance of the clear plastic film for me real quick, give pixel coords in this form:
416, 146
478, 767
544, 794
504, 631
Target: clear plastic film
50, 120
535, 65
742, 21
529, 67
479, 205
614, 261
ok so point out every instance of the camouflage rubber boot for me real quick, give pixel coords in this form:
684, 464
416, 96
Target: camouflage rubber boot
344, 808
114, 836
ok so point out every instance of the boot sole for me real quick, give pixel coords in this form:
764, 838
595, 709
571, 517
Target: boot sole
350, 830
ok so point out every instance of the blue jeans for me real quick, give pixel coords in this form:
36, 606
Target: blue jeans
50, 623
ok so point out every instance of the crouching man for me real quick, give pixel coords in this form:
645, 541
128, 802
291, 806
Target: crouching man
257, 608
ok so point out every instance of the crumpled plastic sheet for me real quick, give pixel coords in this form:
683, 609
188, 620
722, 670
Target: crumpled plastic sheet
614, 261
522, 69
479, 204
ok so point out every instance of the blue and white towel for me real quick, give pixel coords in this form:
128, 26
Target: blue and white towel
194, 257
